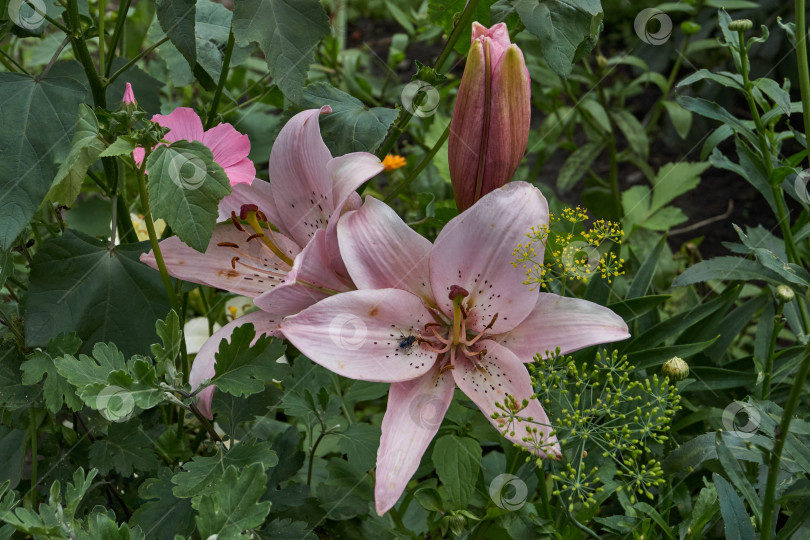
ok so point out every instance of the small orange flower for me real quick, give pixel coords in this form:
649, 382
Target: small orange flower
393, 161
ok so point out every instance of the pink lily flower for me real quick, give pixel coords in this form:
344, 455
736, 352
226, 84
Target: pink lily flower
490, 126
428, 318
230, 148
283, 270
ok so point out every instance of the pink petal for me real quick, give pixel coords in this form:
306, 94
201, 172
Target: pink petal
242, 172
228, 145
489, 379
203, 366
415, 412
302, 186
311, 279
216, 267
568, 323
138, 155
475, 251
351, 171
258, 193
498, 36
381, 251
129, 95
357, 334
350, 203
184, 124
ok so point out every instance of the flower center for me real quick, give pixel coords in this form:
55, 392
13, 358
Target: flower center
451, 338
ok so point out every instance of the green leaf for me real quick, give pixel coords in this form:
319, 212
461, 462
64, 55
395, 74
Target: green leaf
457, 461
12, 448
735, 473
675, 179
577, 164
445, 13
725, 268
704, 511
287, 529
771, 88
170, 333
633, 131
57, 390
119, 147
233, 504
178, 20
360, 443
37, 120
737, 523
201, 472
100, 294
125, 449
287, 31
242, 369
636, 307
84, 151
567, 29
185, 187
644, 277
351, 126
680, 117
712, 110
653, 513
163, 514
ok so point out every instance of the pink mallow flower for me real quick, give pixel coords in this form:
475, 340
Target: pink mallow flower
286, 269
230, 148
428, 318
129, 96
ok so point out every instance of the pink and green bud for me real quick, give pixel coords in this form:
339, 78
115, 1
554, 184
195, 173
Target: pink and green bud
490, 126
129, 96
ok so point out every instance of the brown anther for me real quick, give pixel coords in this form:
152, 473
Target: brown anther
492, 322
233, 262
464, 312
228, 244
261, 216
253, 236
428, 325
236, 222
246, 209
446, 367
457, 290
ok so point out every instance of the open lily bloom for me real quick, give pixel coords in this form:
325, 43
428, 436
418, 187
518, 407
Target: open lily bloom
230, 148
286, 269
430, 318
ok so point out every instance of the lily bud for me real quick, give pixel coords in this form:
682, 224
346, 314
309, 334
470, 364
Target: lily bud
490, 126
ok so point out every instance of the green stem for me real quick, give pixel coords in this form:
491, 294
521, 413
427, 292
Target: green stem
119, 27
659, 109
34, 452
801, 57
419, 168
136, 59
102, 11
779, 444
466, 15
312, 454
777, 327
83, 55
223, 75
544, 497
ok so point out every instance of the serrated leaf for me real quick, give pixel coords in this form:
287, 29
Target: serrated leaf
119, 147
57, 391
170, 333
85, 149
37, 119
100, 294
163, 514
457, 461
242, 369
351, 126
360, 443
185, 186
201, 472
287, 31
125, 449
233, 505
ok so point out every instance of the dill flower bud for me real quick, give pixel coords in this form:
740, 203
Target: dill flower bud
740, 25
676, 369
784, 293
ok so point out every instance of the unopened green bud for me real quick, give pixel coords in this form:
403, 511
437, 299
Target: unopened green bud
457, 523
784, 293
690, 28
740, 25
676, 369
601, 61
